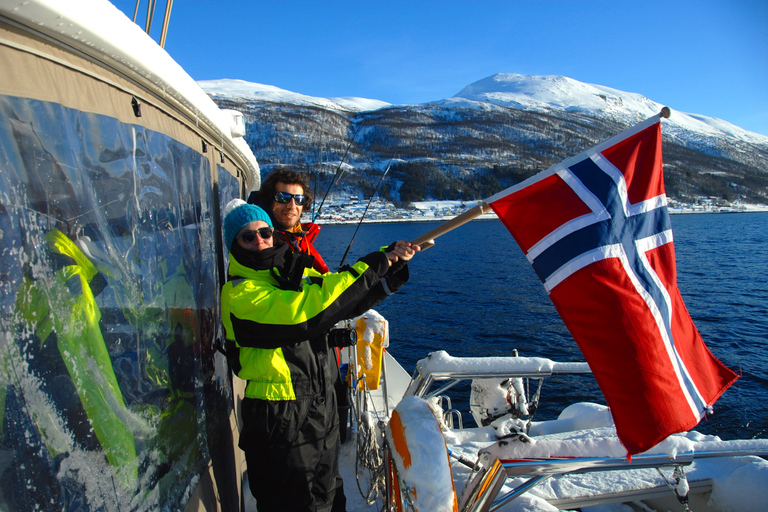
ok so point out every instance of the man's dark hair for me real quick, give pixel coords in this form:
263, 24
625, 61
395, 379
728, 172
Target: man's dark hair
289, 177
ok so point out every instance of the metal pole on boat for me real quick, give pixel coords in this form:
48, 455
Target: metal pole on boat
136, 10
383, 379
427, 240
150, 15
166, 20
520, 490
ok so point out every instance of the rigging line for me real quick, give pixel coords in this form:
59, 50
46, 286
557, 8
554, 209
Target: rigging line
339, 172
317, 173
366, 209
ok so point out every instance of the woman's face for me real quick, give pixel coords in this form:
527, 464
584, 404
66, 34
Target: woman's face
252, 236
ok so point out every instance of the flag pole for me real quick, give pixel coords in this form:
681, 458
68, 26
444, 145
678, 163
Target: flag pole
427, 240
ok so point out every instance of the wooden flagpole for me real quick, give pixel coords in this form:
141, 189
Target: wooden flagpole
427, 240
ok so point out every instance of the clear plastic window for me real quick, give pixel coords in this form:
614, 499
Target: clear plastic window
111, 394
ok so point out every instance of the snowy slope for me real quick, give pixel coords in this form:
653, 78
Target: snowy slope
511, 90
258, 92
538, 92
553, 92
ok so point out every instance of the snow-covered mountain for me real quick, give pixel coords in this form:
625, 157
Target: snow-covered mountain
270, 93
491, 134
554, 92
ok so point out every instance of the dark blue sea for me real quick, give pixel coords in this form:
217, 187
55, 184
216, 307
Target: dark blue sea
475, 294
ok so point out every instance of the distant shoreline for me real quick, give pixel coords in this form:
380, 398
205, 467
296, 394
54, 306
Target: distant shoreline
690, 211
492, 216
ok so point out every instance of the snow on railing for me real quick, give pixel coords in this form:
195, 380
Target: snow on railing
442, 366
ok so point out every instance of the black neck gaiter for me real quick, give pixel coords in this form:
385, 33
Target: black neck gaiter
260, 260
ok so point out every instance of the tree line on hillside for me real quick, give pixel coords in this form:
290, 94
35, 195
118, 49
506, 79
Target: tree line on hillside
468, 153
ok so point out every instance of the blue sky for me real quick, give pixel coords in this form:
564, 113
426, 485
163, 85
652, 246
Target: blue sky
706, 57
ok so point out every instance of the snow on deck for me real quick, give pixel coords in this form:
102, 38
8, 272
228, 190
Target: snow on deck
739, 483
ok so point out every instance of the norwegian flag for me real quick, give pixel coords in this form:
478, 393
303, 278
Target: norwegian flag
597, 231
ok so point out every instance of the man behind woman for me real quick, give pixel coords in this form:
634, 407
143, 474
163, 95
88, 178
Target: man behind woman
285, 195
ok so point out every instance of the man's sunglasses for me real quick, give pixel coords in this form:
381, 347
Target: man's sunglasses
249, 236
285, 198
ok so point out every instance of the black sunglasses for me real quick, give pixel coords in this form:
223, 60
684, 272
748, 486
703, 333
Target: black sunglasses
249, 236
285, 198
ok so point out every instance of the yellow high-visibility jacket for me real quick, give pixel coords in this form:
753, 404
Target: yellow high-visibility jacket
280, 334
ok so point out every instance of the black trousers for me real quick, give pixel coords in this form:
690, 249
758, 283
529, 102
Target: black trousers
292, 451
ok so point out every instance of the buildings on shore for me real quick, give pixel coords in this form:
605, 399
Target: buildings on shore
351, 208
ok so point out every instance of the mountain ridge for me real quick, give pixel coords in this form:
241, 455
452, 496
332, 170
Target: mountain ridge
493, 133
515, 89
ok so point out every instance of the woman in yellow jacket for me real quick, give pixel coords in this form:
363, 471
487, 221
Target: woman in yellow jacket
277, 311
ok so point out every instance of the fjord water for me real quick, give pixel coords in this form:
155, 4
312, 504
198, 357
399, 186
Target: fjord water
475, 294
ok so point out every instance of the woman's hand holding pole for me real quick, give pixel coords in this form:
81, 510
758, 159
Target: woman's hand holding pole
403, 250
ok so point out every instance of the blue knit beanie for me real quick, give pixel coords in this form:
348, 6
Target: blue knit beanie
240, 213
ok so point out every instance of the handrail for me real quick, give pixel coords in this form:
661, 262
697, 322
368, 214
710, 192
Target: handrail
575, 465
540, 469
440, 366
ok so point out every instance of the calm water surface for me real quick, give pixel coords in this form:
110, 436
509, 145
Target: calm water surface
475, 294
